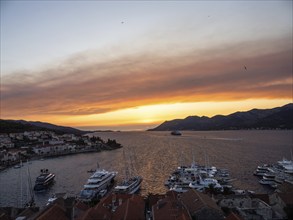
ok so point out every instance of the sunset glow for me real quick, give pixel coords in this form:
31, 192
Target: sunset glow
133, 65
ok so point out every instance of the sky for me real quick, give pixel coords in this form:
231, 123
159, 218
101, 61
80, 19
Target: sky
131, 65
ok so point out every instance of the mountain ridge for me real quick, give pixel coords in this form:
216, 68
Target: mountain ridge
18, 126
275, 118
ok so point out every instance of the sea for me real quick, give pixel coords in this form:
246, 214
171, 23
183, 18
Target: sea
153, 155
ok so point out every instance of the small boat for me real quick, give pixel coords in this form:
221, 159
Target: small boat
44, 180
267, 182
55, 196
180, 188
51, 199
102, 193
17, 166
269, 175
176, 132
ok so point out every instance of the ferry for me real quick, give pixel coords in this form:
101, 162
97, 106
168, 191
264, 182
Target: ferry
44, 180
176, 132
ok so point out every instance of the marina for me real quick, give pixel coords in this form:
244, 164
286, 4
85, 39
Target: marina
276, 173
164, 153
198, 177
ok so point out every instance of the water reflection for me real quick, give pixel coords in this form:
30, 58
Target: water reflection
154, 155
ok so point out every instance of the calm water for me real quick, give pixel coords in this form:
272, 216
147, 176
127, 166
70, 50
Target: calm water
155, 155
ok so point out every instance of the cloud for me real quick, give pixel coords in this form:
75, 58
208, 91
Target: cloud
80, 88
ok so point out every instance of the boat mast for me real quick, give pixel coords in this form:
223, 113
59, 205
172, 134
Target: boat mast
181, 159
20, 184
126, 167
132, 167
30, 203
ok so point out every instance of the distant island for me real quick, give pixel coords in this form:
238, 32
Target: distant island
275, 118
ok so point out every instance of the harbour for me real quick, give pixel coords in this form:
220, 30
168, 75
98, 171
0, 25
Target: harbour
156, 155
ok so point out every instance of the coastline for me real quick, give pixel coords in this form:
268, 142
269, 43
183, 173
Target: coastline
53, 155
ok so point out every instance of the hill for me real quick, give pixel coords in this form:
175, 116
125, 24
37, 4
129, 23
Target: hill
17, 126
275, 118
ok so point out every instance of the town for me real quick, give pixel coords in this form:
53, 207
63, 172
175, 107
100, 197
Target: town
28, 145
172, 205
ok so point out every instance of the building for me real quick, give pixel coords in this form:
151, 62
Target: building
248, 208
200, 206
60, 209
170, 208
117, 207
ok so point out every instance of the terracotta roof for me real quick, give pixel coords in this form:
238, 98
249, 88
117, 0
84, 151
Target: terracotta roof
172, 195
166, 209
263, 197
195, 201
55, 212
80, 205
126, 207
79, 210
285, 187
287, 198
4, 214
132, 209
99, 212
233, 216
154, 198
28, 212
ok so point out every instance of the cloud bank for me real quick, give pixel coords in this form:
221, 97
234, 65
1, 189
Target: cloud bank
77, 87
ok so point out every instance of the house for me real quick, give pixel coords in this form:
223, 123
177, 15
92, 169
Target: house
116, 207
200, 206
247, 207
60, 209
233, 216
5, 141
170, 208
11, 155
282, 204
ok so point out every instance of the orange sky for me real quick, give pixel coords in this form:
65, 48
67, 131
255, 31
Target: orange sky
186, 59
140, 91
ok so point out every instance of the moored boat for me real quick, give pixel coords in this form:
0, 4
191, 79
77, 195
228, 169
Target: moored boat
129, 186
44, 180
267, 181
100, 180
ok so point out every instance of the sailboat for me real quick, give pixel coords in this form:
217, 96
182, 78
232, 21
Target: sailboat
30, 201
128, 185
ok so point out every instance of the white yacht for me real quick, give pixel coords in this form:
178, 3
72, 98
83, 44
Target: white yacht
129, 186
180, 188
205, 183
267, 181
100, 180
